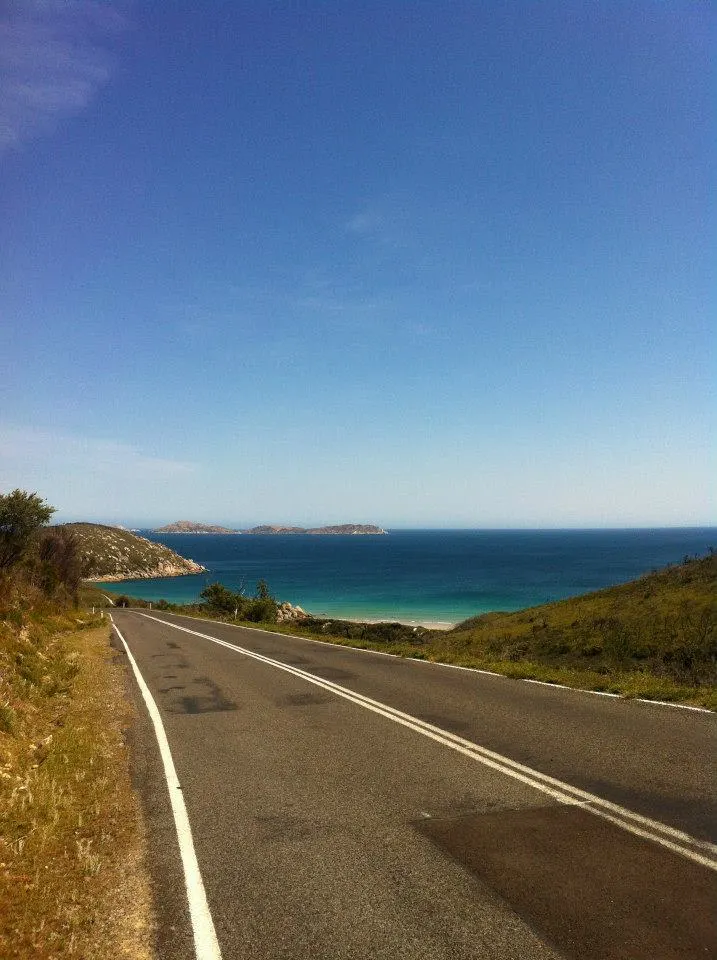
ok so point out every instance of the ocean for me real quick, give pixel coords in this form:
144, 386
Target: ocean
422, 576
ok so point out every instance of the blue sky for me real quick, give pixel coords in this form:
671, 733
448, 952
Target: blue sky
418, 263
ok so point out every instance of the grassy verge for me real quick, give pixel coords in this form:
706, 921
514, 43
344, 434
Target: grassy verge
71, 842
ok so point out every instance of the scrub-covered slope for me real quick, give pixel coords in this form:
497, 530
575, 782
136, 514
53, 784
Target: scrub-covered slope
110, 553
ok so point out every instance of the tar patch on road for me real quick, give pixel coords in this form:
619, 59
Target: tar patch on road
304, 699
203, 696
593, 890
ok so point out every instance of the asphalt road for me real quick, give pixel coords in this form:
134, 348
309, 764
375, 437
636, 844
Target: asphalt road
339, 807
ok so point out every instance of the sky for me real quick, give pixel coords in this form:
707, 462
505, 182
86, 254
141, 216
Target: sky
421, 264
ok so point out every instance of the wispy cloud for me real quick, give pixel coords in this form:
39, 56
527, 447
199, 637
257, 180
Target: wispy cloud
386, 222
54, 57
90, 477
24, 449
365, 223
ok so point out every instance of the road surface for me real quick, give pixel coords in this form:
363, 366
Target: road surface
345, 804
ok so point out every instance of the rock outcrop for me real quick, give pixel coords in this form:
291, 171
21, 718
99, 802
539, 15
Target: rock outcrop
288, 613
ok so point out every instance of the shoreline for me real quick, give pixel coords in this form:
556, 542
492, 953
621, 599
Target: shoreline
405, 621
143, 575
428, 624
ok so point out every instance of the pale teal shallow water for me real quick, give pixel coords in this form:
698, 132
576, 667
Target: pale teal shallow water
423, 576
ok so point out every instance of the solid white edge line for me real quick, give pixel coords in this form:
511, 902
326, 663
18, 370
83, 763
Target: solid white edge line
452, 666
206, 945
560, 791
677, 706
563, 686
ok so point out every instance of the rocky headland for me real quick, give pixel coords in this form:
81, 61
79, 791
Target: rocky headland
112, 554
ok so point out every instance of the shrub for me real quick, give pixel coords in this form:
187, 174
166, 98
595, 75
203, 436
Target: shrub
261, 610
57, 567
221, 599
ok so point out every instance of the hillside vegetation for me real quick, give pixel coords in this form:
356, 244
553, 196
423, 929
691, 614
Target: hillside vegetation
109, 553
664, 623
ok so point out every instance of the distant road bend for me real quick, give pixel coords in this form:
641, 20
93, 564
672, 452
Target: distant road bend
306, 800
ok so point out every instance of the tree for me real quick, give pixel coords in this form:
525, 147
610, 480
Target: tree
58, 562
22, 514
263, 608
220, 598
262, 590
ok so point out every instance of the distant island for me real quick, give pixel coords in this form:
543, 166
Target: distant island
189, 526
342, 528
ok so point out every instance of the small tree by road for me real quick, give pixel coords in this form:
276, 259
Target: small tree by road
221, 599
22, 514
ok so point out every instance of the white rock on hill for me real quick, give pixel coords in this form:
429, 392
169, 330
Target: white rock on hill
287, 612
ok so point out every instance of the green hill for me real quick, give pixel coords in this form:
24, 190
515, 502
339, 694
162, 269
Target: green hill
664, 622
109, 553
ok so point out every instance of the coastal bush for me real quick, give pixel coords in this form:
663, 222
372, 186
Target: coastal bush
373, 632
220, 599
57, 566
38, 564
261, 610
664, 624
22, 514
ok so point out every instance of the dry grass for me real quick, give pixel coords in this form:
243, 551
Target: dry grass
72, 882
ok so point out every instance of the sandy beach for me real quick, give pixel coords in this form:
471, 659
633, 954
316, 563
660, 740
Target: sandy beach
427, 624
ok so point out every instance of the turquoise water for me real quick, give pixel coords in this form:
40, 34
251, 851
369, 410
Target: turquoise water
422, 576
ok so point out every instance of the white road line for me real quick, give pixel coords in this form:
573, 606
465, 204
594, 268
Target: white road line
206, 946
457, 666
678, 841
563, 686
677, 706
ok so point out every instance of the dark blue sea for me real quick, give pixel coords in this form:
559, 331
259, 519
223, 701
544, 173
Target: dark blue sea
423, 576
